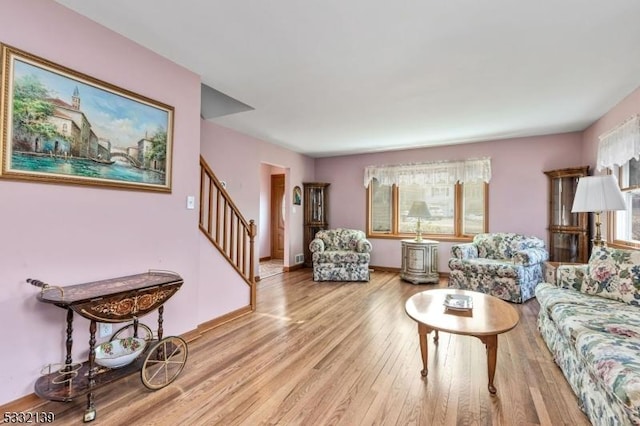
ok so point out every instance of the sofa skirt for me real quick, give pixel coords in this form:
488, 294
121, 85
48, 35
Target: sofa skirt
341, 272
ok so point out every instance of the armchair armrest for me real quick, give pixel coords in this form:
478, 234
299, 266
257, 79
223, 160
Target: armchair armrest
530, 256
364, 246
464, 251
571, 276
316, 245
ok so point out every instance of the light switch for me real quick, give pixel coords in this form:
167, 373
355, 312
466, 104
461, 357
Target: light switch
191, 202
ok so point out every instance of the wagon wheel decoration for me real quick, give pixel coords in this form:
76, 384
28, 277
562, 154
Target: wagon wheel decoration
164, 362
144, 332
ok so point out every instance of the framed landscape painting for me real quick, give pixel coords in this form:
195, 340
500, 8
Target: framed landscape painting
60, 126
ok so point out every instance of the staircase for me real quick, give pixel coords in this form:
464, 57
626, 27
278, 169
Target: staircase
226, 228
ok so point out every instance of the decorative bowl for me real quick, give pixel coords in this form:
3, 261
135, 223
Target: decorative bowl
458, 302
119, 352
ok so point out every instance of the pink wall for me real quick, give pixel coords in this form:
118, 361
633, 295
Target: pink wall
71, 234
517, 193
238, 159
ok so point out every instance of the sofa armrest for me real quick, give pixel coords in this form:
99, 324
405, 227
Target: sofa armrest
364, 246
464, 251
316, 245
530, 256
571, 276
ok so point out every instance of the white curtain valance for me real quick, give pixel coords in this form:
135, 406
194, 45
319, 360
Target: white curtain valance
440, 172
620, 144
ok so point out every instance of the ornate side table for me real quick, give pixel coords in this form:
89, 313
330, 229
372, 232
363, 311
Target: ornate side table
419, 261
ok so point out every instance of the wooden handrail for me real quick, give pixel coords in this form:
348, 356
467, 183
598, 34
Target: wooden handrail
226, 228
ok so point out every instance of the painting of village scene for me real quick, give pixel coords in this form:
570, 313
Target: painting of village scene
61, 126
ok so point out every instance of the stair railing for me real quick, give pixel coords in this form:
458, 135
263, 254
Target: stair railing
226, 228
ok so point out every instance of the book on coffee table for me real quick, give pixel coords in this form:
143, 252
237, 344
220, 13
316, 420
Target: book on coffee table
458, 302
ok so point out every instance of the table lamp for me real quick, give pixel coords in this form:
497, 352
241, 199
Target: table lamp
419, 210
597, 194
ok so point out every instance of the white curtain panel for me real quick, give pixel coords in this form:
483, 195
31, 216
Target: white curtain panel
440, 172
620, 144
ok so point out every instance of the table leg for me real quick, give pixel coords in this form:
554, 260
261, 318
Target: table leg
491, 342
90, 412
68, 360
423, 330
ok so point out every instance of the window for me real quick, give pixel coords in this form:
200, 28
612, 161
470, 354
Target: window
618, 150
381, 208
457, 210
626, 223
455, 193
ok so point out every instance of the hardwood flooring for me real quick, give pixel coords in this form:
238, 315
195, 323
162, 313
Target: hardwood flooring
343, 354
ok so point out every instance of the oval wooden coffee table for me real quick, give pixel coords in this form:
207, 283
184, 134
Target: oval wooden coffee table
489, 317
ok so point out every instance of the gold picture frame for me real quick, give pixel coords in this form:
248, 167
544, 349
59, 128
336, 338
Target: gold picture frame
61, 126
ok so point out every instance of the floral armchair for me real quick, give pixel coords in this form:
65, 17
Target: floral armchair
340, 255
505, 265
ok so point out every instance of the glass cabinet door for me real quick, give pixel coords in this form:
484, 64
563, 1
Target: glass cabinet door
315, 214
565, 247
563, 191
317, 203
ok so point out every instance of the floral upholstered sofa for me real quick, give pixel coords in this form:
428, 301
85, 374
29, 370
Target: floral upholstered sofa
505, 265
590, 320
340, 255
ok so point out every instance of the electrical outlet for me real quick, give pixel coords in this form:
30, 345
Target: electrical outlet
105, 329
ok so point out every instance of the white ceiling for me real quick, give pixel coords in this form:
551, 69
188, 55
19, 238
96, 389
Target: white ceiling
331, 77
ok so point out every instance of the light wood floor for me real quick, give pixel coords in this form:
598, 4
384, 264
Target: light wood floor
343, 354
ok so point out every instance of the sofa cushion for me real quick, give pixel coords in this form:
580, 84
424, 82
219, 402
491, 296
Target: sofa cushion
575, 313
614, 274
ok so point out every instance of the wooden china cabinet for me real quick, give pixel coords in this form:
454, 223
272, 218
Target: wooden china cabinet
568, 232
315, 214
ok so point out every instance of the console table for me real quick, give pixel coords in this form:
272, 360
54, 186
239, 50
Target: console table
419, 261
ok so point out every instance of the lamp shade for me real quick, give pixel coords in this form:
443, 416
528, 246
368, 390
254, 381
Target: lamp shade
598, 194
420, 210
